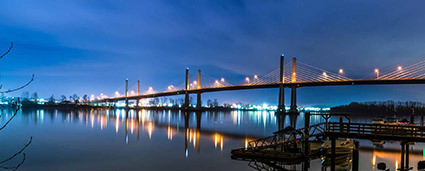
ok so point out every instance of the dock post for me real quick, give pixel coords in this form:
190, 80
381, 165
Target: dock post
307, 134
186, 95
281, 105
407, 156
402, 156
333, 146
356, 156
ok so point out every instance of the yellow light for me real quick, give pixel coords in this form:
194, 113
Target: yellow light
324, 74
376, 71
222, 80
399, 68
246, 143
216, 81
195, 82
294, 73
374, 160
341, 71
247, 79
255, 77
221, 143
396, 164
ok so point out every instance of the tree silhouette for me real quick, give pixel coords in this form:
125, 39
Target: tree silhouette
18, 106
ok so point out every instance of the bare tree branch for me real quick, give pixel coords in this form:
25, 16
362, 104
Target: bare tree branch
8, 50
14, 114
15, 167
16, 89
17, 153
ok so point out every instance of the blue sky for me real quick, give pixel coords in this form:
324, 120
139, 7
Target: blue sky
90, 47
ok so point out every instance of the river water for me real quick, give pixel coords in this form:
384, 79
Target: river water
156, 140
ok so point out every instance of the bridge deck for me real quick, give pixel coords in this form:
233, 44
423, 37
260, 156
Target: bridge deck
269, 85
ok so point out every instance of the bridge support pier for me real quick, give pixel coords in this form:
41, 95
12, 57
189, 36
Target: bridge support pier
294, 100
198, 101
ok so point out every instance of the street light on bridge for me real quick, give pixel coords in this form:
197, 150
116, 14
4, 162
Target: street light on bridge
117, 94
377, 72
222, 80
341, 71
247, 79
399, 68
255, 77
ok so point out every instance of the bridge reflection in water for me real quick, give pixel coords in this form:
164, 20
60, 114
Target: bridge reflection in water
217, 128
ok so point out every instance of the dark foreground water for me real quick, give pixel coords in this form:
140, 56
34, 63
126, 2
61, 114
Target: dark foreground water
154, 140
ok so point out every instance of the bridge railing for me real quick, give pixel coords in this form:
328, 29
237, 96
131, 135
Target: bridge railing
377, 129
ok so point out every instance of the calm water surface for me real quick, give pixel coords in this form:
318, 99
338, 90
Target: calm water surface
155, 140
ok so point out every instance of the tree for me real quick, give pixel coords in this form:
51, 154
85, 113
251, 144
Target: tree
209, 102
215, 103
85, 98
25, 95
52, 99
34, 96
63, 98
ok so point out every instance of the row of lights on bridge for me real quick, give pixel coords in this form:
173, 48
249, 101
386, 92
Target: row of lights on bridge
222, 80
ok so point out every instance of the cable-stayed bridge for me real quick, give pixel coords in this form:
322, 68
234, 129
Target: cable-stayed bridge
289, 75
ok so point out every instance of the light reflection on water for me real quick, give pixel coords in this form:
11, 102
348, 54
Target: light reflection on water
112, 139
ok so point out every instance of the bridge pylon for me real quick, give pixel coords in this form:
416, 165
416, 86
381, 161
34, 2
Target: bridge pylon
198, 95
294, 88
126, 93
281, 104
186, 94
138, 93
